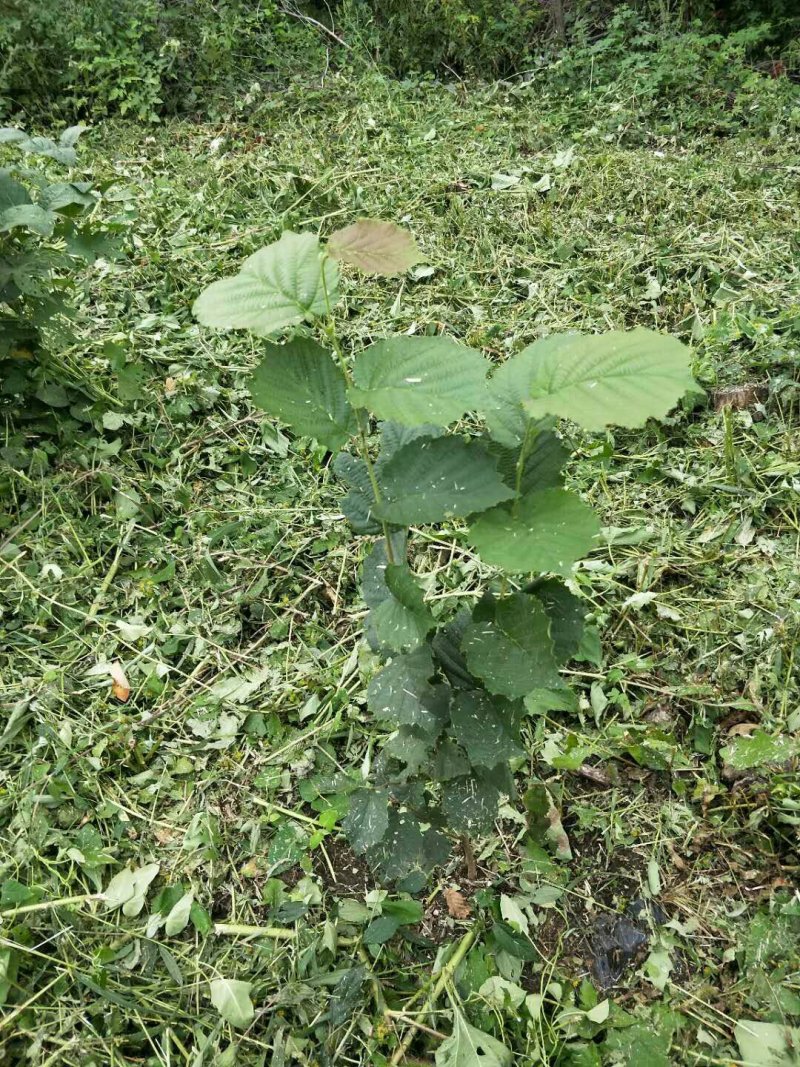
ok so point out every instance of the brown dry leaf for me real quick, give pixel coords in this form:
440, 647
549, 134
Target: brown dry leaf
743, 729
457, 904
121, 687
375, 247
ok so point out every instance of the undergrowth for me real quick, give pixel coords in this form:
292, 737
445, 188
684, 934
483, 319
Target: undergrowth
163, 537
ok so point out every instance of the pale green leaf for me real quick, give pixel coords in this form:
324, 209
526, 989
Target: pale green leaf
767, 1044
512, 652
232, 1000
483, 730
12, 194
368, 818
419, 380
375, 247
546, 531
278, 286
178, 918
469, 1047
759, 749
300, 384
128, 888
430, 480
512, 384
619, 378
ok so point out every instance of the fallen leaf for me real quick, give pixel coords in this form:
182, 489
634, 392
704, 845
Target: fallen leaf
457, 904
120, 688
170, 387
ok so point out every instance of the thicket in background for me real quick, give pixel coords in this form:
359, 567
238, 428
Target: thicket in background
147, 58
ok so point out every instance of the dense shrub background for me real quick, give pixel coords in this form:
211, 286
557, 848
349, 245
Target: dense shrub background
146, 58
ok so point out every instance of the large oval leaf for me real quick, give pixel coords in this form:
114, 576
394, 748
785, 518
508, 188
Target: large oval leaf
278, 286
430, 480
512, 652
375, 247
300, 384
418, 380
548, 531
613, 378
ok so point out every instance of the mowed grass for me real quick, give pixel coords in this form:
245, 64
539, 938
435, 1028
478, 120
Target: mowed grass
188, 538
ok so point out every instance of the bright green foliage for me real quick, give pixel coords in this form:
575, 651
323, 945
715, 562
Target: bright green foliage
470, 1047
278, 286
455, 690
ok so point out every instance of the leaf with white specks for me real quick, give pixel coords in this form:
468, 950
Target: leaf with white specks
512, 652
483, 730
403, 694
368, 818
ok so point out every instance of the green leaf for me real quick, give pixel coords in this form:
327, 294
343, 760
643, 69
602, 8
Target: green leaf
12, 194
430, 480
767, 1044
468, 1047
470, 803
406, 847
375, 247
446, 644
758, 749
368, 818
482, 730
30, 216
401, 621
357, 504
403, 694
449, 761
621, 378
410, 746
64, 195
419, 380
548, 531
566, 613
407, 912
381, 930
278, 286
512, 384
542, 466
512, 653
232, 1000
300, 384
394, 435
128, 888
178, 918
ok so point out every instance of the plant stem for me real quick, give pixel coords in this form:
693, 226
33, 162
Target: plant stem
469, 856
447, 972
330, 333
43, 905
276, 933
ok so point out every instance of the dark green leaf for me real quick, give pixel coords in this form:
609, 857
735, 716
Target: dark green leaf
381, 930
470, 804
357, 504
449, 761
403, 694
406, 848
430, 480
300, 384
542, 465
367, 819
513, 652
482, 730
410, 746
446, 644
402, 620
566, 613
346, 996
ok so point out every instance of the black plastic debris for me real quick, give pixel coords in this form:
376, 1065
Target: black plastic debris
616, 941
